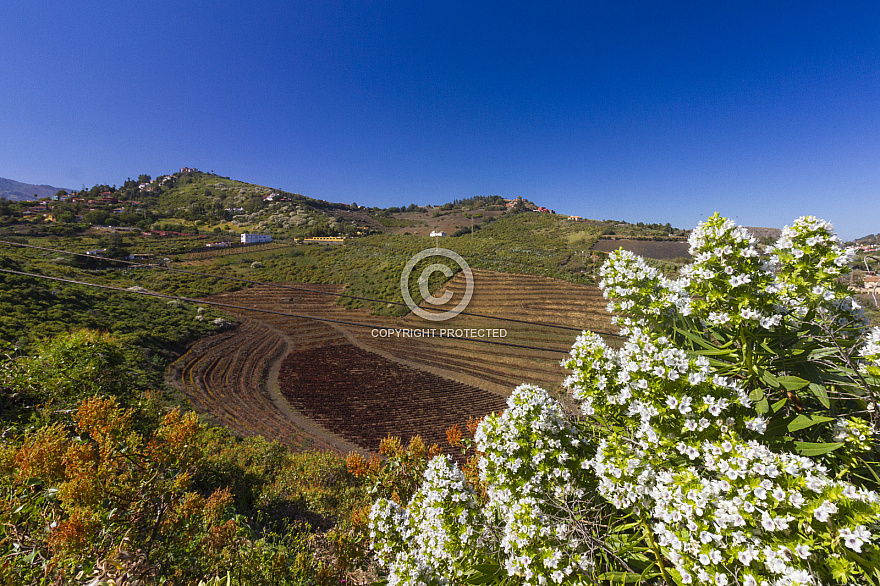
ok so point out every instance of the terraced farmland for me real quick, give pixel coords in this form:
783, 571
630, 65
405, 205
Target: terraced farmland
364, 397
226, 376
347, 386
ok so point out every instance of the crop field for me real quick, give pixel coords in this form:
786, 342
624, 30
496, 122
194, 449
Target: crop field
209, 253
659, 249
355, 386
364, 397
225, 376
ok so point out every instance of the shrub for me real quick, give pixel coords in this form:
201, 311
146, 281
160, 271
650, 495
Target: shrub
728, 441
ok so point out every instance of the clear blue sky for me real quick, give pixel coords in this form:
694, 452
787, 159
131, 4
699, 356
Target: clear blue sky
648, 111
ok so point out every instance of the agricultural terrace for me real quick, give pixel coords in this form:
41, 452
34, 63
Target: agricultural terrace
358, 387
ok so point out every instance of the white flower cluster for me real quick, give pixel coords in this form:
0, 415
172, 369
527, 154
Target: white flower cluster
856, 434
427, 542
735, 510
681, 450
637, 289
808, 260
533, 461
731, 282
728, 279
870, 351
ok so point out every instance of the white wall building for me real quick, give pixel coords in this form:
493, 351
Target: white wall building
255, 238
434, 233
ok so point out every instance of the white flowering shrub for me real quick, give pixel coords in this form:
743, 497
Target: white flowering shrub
439, 533
732, 433
533, 467
723, 507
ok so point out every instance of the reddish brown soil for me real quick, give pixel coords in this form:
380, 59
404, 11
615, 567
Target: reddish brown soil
364, 397
225, 376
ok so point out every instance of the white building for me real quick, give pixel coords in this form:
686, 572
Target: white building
255, 238
434, 233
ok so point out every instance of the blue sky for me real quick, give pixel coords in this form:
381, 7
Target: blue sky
648, 111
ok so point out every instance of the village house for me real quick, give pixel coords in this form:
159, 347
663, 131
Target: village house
255, 238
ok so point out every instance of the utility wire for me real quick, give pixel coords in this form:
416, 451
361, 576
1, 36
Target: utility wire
306, 289
269, 311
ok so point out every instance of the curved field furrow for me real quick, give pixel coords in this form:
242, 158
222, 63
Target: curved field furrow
225, 375
498, 366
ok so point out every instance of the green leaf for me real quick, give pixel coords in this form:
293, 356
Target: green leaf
821, 394
488, 568
816, 449
483, 579
485, 574
771, 380
778, 405
804, 421
697, 339
762, 406
792, 383
621, 577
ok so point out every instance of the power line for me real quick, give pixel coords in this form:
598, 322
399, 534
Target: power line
305, 289
269, 311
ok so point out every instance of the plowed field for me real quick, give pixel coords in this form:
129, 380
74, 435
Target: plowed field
365, 397
345, 387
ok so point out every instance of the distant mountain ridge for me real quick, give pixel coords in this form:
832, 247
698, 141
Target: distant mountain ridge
18, 191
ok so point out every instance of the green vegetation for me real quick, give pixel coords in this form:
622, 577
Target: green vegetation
101, 482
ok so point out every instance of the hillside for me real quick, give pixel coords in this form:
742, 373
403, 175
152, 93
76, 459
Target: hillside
17, 191
214, 417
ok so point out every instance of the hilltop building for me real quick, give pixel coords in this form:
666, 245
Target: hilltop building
434, 233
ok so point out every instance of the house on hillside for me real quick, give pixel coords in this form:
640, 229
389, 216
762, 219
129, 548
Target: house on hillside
255, 238
435, 234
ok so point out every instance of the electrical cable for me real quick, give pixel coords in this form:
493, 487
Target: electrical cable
269, 311
296, 288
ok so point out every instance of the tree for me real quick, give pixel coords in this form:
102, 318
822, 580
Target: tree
116, 247
98, 217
